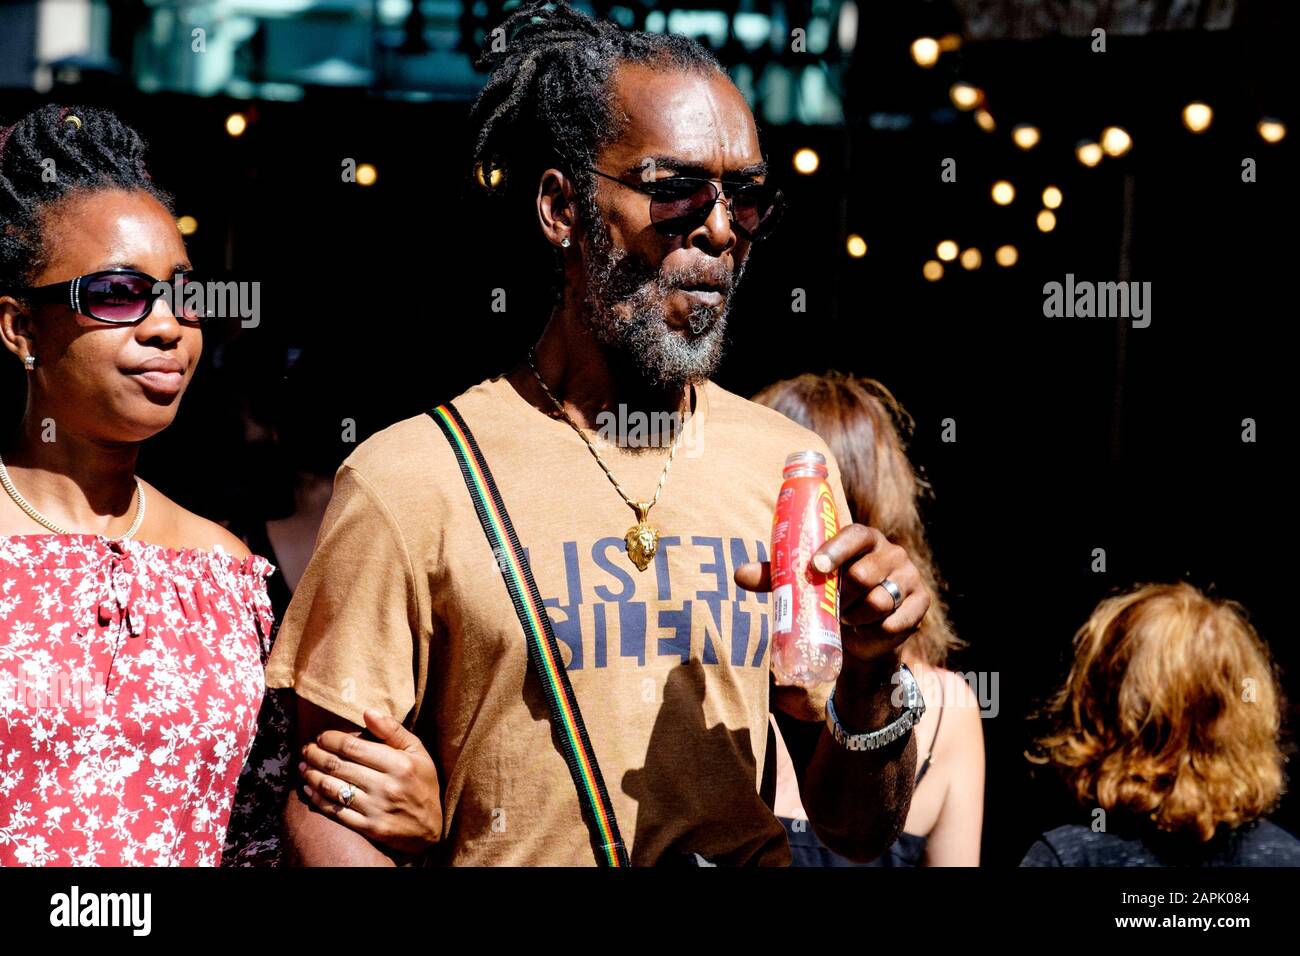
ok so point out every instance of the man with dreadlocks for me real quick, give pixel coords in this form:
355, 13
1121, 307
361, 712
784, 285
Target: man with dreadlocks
632, 163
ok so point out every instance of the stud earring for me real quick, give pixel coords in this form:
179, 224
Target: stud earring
565, 242
29, 362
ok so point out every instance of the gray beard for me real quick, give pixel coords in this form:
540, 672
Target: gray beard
664, 358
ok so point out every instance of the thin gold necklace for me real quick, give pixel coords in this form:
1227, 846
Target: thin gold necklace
642, 539
47, 523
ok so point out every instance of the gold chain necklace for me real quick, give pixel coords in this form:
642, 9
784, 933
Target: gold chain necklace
642, 539
47, 523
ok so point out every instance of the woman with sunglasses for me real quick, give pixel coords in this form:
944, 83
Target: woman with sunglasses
133, 633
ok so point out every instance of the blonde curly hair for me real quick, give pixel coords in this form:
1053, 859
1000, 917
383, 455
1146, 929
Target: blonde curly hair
1171, 713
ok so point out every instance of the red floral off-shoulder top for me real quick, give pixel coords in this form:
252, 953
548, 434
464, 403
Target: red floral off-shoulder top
131, 679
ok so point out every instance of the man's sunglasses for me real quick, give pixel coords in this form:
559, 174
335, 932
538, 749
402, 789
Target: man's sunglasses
119, 296
681, 204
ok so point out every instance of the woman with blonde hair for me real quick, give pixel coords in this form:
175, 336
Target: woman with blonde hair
864, 424
1166, 730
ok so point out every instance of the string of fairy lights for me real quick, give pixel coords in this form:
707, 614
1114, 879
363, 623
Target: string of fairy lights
1112, 141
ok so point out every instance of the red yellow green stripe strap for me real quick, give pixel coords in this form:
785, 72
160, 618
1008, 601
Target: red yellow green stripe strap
543, 651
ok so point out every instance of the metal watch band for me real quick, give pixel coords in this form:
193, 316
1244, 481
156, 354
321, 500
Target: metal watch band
913, 708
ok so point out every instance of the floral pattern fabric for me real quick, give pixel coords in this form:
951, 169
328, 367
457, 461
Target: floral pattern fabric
253, 837
131, 687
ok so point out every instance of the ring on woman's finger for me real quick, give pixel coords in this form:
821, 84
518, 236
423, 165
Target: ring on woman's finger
346, 794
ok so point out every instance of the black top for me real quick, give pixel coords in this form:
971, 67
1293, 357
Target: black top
1260, 843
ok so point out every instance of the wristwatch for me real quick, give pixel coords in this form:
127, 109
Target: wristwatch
913, 708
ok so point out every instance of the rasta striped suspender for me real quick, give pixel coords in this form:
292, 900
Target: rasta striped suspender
543, 651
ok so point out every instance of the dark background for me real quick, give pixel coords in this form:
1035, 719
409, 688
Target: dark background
1072, 434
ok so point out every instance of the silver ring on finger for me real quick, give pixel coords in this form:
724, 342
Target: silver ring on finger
346, 794
894, 594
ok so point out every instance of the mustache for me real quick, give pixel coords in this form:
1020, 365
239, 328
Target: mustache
624, 276
723, 282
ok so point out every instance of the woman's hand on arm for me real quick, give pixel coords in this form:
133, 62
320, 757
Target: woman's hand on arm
397, 795
315, 837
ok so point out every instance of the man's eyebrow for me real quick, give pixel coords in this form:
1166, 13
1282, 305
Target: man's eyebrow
685, 168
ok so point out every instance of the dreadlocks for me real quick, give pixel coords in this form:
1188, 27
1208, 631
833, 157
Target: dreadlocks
548, 102
46, 156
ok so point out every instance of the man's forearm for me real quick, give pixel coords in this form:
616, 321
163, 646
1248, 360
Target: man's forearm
857, 801
316, 840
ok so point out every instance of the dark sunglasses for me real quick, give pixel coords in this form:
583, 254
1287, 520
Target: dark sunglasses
119, 296
681, 204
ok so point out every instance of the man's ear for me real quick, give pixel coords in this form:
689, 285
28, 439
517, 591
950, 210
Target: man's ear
16, 328
556, 210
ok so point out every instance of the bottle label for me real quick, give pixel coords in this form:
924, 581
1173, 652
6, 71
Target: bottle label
806, 645
783, 608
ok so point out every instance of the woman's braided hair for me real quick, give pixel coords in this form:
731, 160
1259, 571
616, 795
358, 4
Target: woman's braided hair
548, 102
47, 156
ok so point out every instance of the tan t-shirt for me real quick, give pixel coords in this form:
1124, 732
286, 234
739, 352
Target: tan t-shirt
402, 608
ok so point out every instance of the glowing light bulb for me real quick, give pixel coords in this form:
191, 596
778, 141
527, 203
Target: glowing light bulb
925, 51
1116, 141
1088, 153
806, 161
1197, 117
965, 96
1025, 136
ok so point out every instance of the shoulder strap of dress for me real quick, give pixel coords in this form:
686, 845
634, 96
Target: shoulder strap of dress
939, 722
925, 765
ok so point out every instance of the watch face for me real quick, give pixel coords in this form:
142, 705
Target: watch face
914, 690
